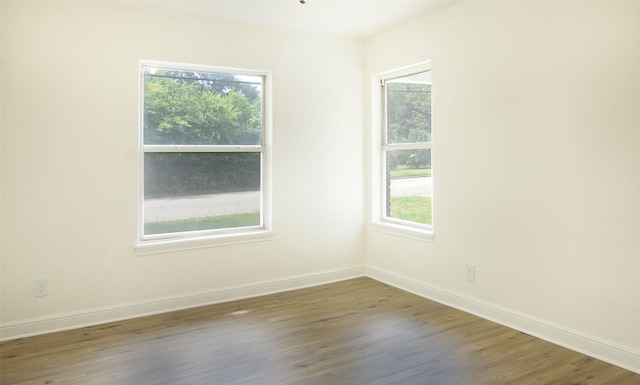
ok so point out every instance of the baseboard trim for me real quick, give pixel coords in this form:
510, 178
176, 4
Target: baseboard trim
102, 315
622, 356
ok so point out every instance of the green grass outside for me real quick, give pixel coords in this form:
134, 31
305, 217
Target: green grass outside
414, 209
404, 172
204, 223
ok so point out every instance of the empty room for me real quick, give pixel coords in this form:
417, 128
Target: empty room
320, 192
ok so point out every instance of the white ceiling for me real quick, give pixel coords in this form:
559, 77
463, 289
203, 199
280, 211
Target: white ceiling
347, 18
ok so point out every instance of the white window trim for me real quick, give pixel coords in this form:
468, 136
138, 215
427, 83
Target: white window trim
378, 221
204, 239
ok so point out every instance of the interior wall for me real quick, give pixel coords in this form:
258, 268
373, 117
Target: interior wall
536, 161
536, 118
70, 163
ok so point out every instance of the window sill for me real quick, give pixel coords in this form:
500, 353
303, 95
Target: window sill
171, 245
423, 235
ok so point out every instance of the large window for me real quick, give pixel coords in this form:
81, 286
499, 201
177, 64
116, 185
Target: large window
203, 151
405, 180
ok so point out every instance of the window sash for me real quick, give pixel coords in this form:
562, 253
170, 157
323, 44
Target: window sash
263, 220
384, 132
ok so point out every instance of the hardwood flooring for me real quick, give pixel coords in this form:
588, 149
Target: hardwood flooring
353, 332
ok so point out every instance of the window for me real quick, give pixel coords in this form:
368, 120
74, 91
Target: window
404, 146
203, 152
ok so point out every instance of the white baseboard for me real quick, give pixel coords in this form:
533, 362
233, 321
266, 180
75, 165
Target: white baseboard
96, 316
622, 356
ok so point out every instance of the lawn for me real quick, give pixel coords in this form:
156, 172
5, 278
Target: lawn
204, 223
404, 172
412, 208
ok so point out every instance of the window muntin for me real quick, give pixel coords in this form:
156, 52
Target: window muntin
203, 152
406, 149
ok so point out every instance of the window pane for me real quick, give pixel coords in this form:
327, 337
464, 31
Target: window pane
408, 109
408, 185
201, 191
201, 108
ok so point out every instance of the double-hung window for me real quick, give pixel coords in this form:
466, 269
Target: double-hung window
403, 158
203, 152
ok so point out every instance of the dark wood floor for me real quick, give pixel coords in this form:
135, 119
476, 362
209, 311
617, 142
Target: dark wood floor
354, 332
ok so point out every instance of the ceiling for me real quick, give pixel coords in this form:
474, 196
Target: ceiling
345, 18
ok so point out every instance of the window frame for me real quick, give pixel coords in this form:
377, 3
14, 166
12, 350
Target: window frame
380, 146
155, 243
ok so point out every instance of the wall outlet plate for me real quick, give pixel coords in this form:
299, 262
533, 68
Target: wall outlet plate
470, 272
40, 287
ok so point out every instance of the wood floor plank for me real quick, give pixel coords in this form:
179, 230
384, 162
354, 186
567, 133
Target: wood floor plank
353, 332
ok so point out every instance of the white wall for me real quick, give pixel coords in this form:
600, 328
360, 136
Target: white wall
537, 164
69, 162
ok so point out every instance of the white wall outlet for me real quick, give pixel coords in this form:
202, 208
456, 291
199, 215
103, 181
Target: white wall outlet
40, 287
470, 272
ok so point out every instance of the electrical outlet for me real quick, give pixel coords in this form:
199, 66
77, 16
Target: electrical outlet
40, 287
470, 272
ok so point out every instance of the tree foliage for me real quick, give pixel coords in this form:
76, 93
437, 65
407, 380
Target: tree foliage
409, 121
195, 108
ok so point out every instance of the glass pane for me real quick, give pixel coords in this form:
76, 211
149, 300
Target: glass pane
200, 191
408, 185
408, 108
201, 108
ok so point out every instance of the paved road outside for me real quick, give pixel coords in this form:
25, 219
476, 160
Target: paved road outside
160, 210
411, 187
